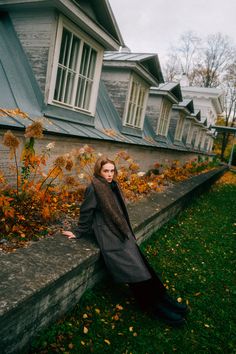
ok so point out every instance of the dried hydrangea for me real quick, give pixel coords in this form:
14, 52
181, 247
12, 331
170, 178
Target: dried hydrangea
10, 140
70, 181
60, 161
34, 130
69, 165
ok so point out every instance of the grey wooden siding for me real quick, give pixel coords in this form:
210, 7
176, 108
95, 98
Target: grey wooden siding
35, 30
118, 91
174, 117
153, 110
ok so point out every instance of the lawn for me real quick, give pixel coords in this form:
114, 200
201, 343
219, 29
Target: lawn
195, 256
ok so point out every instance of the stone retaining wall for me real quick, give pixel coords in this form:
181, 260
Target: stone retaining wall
41, 283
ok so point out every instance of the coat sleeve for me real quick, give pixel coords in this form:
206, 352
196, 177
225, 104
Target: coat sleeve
87, 209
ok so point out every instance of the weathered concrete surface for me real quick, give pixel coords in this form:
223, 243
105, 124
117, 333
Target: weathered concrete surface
41, 283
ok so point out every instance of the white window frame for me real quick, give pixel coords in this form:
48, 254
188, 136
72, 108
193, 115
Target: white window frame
190, 135
83, 39
202, 140
180, 127
164, 118
197, 140
136, 103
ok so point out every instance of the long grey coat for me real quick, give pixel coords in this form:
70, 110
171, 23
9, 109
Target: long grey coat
122, 258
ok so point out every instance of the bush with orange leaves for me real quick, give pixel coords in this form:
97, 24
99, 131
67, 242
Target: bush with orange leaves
42, 194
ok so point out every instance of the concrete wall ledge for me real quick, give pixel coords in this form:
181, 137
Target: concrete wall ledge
41, 283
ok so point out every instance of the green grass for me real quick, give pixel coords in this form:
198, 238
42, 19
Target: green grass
194, 255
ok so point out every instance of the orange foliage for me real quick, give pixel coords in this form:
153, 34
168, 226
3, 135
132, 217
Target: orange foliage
44, 198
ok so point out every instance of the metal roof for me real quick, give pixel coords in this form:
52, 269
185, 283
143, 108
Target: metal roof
148, 61
18, 87
19, 90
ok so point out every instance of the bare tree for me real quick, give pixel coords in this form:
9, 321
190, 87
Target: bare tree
214, 59
182, 58
229, 86
203, 61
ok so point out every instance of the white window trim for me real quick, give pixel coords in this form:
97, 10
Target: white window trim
198, 138
64, 23
190, 135
179, 127
142, 85
164, 118
203, 139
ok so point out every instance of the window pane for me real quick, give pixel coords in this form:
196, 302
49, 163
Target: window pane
75, 72
135, 106
65, 47
69, 87
86, 76
59, 84
74, 53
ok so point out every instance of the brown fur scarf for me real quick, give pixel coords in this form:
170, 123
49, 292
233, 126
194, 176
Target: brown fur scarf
113, 216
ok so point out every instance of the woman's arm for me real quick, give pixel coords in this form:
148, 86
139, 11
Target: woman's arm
86, 214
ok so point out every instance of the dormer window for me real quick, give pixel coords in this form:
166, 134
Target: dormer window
76, 69
179, 128
136, 103
164, 118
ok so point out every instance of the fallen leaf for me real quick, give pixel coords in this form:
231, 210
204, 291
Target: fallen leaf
119, 307
85, 330
107, 341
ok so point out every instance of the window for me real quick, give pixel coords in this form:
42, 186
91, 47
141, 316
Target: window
164, 118
136, 103
76, 70
189, 133
179, 127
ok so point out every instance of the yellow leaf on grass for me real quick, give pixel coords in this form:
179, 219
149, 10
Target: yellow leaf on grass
107, 341
85, 315
119, 307
85, 330
197, 294
97, 311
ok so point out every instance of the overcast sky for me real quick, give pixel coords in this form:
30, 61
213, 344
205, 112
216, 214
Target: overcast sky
151, 26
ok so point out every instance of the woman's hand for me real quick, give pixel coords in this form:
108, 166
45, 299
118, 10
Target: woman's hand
69, 234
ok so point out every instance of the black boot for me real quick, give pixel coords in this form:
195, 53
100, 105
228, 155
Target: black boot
173, 305
168, 316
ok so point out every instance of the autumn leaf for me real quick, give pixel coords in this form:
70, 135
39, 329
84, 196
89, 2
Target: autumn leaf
119, 307
107, 341
85, 330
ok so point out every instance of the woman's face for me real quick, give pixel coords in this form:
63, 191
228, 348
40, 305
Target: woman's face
107, 172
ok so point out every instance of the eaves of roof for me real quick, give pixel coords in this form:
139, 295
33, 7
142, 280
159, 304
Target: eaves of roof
148, 62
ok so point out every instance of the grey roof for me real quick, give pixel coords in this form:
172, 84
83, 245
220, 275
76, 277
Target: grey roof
18, 87
172, 88
187, 103
19, 90
99, 12
148, 61
127, 56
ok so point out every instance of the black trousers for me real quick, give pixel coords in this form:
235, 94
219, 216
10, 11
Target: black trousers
149, 292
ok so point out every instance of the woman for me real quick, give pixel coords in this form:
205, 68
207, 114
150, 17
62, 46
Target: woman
104, 213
